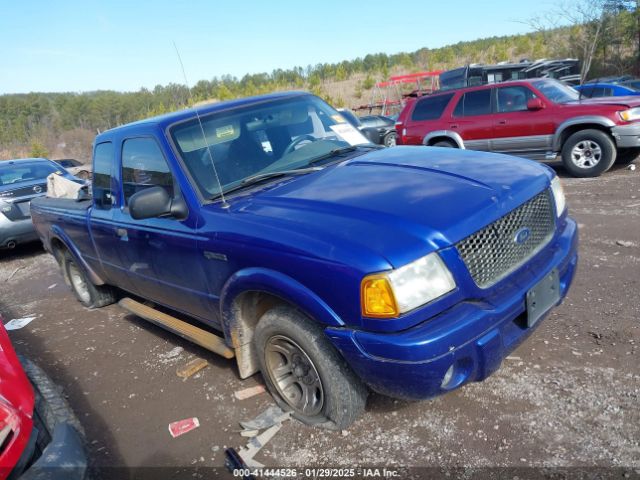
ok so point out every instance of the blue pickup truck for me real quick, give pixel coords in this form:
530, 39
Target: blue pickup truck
269, 230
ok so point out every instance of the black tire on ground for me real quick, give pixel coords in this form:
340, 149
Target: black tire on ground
389, 139
588, 153
296, 358
444, 144
627, 155
49, 398
88, 294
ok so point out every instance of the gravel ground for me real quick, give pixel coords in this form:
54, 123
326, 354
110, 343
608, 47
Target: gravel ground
568, 397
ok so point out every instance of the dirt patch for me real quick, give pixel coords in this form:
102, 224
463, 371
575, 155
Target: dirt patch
568, 397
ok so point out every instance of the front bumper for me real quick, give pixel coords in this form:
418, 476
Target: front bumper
18, 231
627, 136
469, 340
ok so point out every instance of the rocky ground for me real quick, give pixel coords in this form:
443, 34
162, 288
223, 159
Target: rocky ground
568, 397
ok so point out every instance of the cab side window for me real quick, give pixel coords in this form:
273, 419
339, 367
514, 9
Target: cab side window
513, 99
144, 166
102, 187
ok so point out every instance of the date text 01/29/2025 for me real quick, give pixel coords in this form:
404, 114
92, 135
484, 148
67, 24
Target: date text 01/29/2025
316, 473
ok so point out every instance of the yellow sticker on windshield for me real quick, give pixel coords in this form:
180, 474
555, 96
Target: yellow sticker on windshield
338, 118
224, 132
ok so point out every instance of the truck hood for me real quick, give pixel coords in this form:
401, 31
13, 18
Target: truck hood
400, 203
626, 101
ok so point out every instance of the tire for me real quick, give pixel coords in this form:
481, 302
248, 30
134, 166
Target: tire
588, 153
287, 340
83, 175
627, 155
49, 399
443, 144
389, 139
88, 294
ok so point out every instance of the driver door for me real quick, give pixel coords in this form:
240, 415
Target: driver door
160, 255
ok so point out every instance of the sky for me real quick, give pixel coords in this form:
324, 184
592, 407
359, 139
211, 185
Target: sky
75, 46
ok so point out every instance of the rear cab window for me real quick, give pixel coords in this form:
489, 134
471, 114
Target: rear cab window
103, 192
431, 107
477, 102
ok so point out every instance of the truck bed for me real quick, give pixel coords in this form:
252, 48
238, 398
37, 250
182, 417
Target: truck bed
67, 204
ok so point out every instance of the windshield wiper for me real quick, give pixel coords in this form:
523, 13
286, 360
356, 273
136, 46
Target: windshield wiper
339, 151
279, 173
264, 176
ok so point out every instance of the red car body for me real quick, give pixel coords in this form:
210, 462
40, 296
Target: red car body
39, 435
16, 407
519, 118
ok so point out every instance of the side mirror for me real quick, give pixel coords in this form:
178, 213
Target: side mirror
155, 202
535, 104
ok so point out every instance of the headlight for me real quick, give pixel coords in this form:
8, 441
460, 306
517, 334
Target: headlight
387, 295
630, 115
558, 195
5, 207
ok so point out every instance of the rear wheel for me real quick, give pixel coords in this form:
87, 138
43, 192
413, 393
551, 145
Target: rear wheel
627, 155
389, 139
588, 153
88, 294
304, 372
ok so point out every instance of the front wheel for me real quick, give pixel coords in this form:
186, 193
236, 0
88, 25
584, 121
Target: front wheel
88, 294
444, 144
305, 373
588, 153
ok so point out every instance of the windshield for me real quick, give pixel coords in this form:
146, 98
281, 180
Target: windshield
556, 91
25, 172
266, 137
68, 163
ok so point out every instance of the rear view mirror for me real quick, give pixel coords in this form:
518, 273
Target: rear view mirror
535, 104
155, 202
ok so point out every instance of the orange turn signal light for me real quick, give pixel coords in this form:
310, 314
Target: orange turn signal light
376, 297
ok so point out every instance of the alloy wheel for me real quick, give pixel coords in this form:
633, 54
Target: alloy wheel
294, 375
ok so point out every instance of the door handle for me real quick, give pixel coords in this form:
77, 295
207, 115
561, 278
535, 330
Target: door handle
502, 122
454, 125
121, 232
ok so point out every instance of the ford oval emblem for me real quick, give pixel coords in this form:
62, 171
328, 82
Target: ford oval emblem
37, 189
522, 236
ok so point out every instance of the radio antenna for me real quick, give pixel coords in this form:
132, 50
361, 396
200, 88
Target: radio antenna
204, 137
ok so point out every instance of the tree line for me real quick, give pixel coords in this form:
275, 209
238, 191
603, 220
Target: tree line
47, 123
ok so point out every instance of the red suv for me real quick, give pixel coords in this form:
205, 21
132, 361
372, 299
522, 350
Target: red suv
539, 119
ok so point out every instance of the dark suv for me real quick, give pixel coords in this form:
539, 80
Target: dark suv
539, 119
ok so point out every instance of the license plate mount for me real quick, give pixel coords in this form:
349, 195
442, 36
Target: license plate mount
542, 297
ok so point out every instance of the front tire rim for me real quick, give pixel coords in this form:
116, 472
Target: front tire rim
294, 375
586, 154
79, 284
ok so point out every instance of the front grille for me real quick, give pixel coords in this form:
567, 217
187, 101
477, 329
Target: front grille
492, 253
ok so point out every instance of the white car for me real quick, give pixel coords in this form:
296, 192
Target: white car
75, 168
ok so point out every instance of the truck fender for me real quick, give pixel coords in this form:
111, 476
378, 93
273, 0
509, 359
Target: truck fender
585, 120
238, 329
453, 136
58, 234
